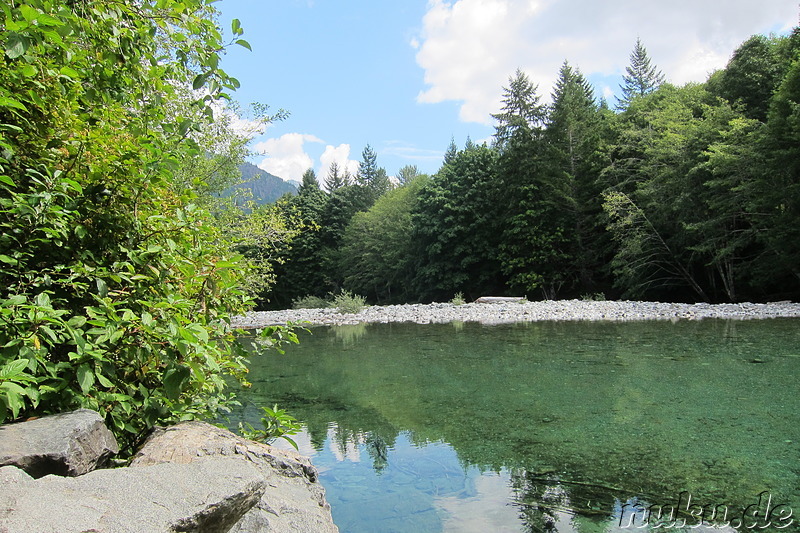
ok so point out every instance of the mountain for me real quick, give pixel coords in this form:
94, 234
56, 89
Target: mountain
266, 188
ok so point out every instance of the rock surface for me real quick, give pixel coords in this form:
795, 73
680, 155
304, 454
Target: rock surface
505, 313
193, 477
68, 444
201, 497
293, 501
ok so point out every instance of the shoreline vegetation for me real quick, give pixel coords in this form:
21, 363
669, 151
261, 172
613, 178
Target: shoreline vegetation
524, 311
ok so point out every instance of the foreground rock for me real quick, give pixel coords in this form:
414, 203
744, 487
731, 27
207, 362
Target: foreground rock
193, 477
294, 500
509, 312
202, 497
68, 444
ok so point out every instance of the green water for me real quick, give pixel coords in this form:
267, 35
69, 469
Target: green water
552, 426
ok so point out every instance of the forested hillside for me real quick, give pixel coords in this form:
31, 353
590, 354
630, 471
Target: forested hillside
669, 193
261, 186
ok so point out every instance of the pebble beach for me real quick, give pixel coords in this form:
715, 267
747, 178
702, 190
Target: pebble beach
523, 311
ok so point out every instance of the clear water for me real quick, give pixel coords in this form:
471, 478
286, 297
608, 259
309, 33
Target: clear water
552, 426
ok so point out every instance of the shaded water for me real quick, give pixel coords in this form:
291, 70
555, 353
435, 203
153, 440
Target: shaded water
550, 426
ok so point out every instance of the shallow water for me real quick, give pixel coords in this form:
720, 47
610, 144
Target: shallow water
549, 426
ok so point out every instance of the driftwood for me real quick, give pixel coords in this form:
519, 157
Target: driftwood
499, 299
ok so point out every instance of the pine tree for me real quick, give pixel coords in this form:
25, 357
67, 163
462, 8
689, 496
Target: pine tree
310, 182
641, 78
373, 180
367, 168
452, 151
573, 139
521, 109
407, 174
335, 179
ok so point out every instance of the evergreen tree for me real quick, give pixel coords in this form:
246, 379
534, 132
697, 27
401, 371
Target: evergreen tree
372, 180
572, 166
456, 223
521, 110
531, 243
407, 174
367, 168
335, 178
452, 152
309, 183
641, 77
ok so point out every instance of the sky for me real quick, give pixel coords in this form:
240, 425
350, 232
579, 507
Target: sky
407, 76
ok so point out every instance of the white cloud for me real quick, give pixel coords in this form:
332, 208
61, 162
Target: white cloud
410, 152
286, 156
469, 48
339, 154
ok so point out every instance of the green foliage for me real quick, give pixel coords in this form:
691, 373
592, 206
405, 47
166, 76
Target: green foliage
458, 299
640, 77
455, 224
348, 303
116, 289
310, 302
277, 424
594, 297
376, 256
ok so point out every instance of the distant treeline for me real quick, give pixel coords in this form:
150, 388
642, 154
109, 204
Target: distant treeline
670, 193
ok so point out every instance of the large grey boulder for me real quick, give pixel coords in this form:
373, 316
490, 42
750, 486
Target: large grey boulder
68, 444
201, 497
293, 501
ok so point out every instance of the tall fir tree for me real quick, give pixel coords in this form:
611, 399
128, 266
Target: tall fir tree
452, 151
372, 180
521, 110
641, 77
573, 138
335, 178
530, 243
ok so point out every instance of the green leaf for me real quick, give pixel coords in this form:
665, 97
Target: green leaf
9, 260
5, 101
70, 73
199, 81
6, 180
12, 369
16, 45
236, 27
29, 71
173, 381
242, 42
85, 378
102, 287
104, 381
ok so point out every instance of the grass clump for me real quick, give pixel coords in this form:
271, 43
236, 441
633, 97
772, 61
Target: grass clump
458, 299
347, 302
310, 302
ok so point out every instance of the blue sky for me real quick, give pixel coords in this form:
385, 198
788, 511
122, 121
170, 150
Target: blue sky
406, 76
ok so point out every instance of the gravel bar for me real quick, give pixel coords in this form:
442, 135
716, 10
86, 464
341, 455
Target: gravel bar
510, 312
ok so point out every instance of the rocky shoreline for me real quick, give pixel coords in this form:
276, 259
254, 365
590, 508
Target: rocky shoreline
522, 311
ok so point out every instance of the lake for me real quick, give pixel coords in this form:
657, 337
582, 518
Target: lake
546, 426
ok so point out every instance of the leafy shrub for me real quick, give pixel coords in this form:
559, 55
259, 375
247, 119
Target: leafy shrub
116, 292
277, 424
347, 302
458, 299
310, 302
594, 297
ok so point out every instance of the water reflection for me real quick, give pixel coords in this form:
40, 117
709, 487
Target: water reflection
540, 427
